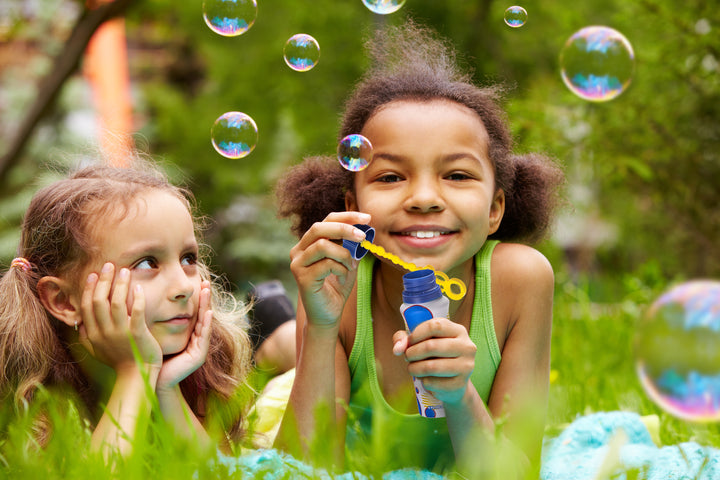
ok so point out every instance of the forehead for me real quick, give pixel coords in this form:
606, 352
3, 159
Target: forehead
437, 107
154, 215
438, 124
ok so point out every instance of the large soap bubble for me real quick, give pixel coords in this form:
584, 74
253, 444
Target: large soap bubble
354, 152
383, 7
597, 63
229, 18
234, 135
301, 52
677, 351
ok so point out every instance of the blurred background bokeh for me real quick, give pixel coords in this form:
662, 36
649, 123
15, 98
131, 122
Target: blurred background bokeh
643, 169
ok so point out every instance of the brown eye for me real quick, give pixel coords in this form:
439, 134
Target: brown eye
389, 178
189, 259
145, 264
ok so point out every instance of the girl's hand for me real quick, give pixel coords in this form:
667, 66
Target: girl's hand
107, 329
440, 353
324, 270
179, 366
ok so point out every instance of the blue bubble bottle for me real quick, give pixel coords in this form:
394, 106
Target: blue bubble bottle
423, 300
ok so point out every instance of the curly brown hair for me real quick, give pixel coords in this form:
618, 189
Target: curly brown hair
411, 63
57, 240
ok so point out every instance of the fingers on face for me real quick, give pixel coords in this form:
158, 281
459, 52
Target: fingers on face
94, 303
118, 300
137, 314
204, 301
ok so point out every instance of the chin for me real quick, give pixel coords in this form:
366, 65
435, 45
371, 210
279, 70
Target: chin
170, 347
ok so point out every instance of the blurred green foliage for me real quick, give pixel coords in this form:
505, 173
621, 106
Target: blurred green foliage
643, 168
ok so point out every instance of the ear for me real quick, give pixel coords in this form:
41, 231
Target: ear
497, 210
351, 202
55, 295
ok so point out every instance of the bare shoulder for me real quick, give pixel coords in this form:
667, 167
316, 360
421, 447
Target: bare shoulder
520, 266
522, 284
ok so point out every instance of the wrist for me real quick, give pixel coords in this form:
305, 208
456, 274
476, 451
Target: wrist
321, 331
465, 399
167, 389
137, 372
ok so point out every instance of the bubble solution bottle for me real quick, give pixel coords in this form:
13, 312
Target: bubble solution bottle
423, 300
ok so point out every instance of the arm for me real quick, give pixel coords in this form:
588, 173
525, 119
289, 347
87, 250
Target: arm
108, 333
320, 390
521, 383
173, 405
441, 352
325, 274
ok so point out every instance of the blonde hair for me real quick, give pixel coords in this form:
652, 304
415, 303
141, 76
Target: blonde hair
57, 240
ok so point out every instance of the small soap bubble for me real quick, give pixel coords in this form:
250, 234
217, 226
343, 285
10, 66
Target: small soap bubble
301, 52
234, 135
676, 351
354, 152
229, 18
383, 7
597, 63
515, 16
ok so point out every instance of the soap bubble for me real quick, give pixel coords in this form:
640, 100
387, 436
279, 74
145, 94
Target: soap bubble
383, 7
597, 63
229, 18
515, 16
234, 135
354, 152
301, 52
677, 351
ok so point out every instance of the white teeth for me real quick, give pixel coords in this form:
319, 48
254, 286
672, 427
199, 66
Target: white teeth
422, 234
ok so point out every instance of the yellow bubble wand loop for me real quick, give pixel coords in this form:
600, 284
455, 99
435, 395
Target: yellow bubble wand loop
453, 288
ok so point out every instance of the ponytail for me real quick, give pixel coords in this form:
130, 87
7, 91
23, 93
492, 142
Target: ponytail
312, 190
30, 350
531, 198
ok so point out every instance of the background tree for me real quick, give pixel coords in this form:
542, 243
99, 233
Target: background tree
643, 167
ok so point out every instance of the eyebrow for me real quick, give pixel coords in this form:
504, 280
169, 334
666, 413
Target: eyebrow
152, 249
445, 159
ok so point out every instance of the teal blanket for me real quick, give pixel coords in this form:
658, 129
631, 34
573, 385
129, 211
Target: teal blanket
600, 446
613, 444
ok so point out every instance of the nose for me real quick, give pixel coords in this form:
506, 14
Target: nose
181, 286
424, 196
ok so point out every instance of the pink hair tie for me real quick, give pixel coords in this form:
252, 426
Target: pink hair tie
22, 263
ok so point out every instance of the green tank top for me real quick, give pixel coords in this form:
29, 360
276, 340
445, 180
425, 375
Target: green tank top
391, 439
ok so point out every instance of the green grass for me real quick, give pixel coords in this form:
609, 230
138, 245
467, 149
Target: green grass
593, 371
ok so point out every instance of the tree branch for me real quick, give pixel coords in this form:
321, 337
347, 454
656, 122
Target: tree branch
64, 66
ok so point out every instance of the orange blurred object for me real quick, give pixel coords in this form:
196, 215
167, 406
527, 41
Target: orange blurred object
106, 68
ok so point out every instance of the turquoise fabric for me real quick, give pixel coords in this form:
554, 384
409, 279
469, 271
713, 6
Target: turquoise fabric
594, 441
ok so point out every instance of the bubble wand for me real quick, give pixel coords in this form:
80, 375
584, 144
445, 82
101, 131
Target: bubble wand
453, 288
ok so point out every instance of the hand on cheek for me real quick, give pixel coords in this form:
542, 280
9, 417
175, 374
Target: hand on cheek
109, 331
177, 367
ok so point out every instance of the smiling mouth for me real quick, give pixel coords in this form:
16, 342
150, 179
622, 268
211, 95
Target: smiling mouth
424, 233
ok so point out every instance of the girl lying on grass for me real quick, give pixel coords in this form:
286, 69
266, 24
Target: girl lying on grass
109, 294
443, 189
